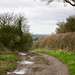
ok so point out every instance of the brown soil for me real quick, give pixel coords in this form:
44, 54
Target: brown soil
43, 65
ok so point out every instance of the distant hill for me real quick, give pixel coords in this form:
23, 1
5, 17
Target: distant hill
39, 35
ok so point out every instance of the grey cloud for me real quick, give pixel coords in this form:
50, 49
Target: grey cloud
38, 13
15, 3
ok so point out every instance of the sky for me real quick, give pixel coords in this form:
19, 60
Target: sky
42, 18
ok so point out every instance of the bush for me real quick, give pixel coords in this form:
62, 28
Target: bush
14, 33
26, 43
13, 41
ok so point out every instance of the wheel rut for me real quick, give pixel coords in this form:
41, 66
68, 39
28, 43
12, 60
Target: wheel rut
39, 64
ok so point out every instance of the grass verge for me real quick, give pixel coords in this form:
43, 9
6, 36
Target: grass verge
67, 58
8, 61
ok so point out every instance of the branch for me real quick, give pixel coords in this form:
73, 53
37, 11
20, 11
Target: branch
67, 1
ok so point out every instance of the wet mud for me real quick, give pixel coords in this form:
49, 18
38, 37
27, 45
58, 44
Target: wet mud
39, 64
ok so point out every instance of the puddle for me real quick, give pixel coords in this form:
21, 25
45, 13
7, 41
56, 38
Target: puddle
26, 62
23, 71
22, 53
32, 58
9, 72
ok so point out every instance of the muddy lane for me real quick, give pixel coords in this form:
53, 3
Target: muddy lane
39, 64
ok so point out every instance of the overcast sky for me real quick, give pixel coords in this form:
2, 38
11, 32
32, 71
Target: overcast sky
42, 18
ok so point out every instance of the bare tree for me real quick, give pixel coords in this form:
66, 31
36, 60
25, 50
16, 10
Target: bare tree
21, 23
6, 19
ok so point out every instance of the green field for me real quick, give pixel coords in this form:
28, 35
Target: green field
67, 58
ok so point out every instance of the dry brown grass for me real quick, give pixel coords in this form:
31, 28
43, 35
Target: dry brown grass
58, 42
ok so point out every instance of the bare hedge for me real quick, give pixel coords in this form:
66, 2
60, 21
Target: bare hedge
58, 41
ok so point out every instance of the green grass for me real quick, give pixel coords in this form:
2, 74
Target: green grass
8, 61
10, 66
67, 58
10, 58
6, 52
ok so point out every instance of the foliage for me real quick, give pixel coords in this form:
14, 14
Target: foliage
14, 32
61, 27
36, 44
68, 26
8, 33
21, 23
26, 42
67, 58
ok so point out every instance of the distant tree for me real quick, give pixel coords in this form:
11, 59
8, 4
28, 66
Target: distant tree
71, 2
61, 27
68, 26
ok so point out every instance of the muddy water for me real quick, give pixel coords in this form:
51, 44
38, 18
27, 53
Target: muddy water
22, 71
39, 64
22, 53
26, 62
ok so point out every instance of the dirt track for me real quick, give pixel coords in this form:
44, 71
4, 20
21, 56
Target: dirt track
39, 64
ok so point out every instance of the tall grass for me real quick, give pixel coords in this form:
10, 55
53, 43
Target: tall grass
58, 41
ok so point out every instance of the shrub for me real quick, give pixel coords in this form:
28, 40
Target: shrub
26, 42
14, 33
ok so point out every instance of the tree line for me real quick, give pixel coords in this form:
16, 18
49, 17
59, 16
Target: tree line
66, 27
